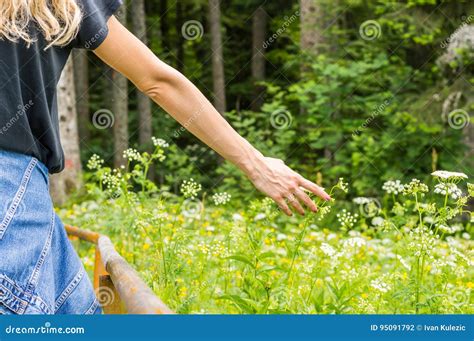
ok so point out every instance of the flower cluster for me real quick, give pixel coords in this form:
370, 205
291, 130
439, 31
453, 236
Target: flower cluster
415, 186
447, 188
132, 154
328, 250
112, 181
380, 285
190, 188
449, 176
361, 200
343, 186
221, 198
347, 219
95, 162
157, 142
393, 187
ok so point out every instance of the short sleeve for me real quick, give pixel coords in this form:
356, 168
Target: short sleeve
93, 29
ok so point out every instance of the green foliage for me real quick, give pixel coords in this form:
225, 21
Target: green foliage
406, 252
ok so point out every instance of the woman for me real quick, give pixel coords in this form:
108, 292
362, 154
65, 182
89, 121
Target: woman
39, 271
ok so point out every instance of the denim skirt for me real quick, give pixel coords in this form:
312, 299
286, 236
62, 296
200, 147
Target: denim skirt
40, 272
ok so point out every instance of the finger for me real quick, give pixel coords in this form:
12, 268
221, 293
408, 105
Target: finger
295, 203
311, 186
284, 207
303, 197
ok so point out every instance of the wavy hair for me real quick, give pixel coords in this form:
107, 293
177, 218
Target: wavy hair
57, 20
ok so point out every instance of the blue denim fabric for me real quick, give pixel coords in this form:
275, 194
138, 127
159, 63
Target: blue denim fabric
40, 272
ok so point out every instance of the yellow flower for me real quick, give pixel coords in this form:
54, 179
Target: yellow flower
183, 292
146, 246
364, 295
470, 285
319, 283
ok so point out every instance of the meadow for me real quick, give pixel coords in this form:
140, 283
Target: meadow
409, 250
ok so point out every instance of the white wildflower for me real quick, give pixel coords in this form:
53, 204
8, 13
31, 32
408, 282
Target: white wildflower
378, 221
190, 188
380, 285
132, 154
447, 176
347, 219
404, 262
447, 188
327, 249
95, 162
157, 142
415, 186
393, 187
355, 242
344, 186
221, 198
361, 200
237, 217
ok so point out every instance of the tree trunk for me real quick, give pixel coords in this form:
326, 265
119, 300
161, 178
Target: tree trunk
120, 107
164, 23
217, 56
70, 179
143, 102
81, 82
180, 39
313, 42
259, 34
312, 26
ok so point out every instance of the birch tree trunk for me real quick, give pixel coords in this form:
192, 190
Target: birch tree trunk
81, 82
70, 179
120, 106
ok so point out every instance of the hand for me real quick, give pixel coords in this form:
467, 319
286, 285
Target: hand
276, 180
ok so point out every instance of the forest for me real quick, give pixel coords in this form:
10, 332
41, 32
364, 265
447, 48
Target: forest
372, 100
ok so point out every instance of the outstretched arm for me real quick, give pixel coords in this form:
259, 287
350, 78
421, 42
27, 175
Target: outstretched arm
185, 103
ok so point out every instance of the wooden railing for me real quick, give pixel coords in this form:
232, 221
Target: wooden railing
118, 286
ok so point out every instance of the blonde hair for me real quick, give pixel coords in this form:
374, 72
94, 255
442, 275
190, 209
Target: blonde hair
57, 20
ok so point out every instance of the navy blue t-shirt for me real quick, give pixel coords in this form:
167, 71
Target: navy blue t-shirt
28, 80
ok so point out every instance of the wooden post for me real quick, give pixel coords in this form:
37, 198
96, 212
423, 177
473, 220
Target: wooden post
108, 296
99, 268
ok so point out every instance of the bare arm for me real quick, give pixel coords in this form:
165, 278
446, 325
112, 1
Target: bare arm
185, 103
